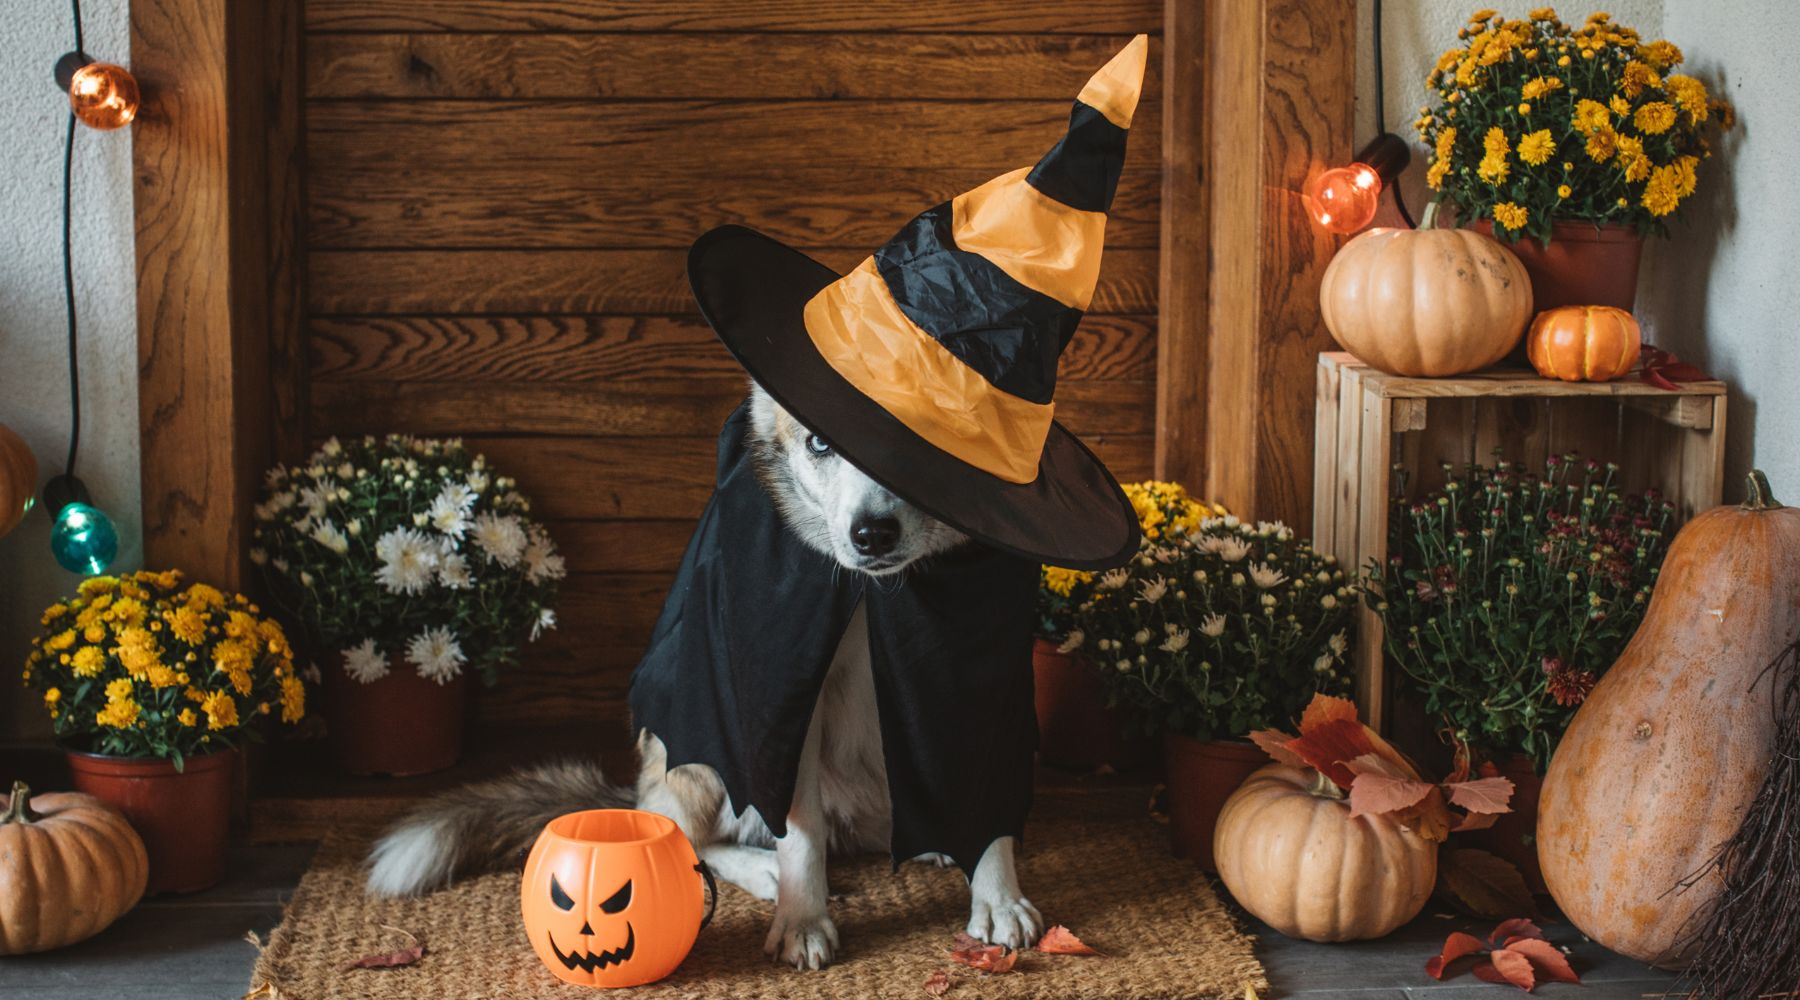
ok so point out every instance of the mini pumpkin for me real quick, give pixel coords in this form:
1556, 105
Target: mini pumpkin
612, 897
1583, 343
69, 866
1290, 852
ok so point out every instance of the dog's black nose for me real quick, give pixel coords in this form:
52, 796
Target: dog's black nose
875, 536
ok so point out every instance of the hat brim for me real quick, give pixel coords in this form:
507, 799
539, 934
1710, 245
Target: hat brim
753, 289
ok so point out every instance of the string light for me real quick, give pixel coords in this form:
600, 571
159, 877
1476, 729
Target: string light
103, 96
1344, 199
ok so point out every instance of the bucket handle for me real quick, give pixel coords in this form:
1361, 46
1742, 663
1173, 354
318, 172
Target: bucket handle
712, 892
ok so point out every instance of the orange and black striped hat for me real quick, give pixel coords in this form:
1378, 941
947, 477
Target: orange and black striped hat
932, 364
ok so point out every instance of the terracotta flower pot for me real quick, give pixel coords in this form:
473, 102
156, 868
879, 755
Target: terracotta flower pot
401, 724
1077, 730
1584, 265
183, 816
1201, 777
1514, 835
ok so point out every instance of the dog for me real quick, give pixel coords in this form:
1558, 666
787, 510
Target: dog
840, 802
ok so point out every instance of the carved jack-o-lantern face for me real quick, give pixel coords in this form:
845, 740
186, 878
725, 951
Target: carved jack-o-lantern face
612, 897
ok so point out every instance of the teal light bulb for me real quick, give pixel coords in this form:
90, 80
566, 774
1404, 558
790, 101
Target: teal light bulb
83, 539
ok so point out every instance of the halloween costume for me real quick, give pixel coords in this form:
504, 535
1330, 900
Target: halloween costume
931, 367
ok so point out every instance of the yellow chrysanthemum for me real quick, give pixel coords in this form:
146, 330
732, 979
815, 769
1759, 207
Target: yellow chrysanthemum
1434, 175
1591, 116
119, 714
160, 676
1631, 159
52, 696
1661, 53
221, 711
186, 717
187, 624
1543, 14
1563, 191
1690, 94
204, 595
87, 661
98, 585
1636, 78
1602, 144
1062, 581
1538, 86
1510, 215
293, 699
1537, 147
118, 688
1662, 192
1654, 118
60, 641
1684, 171
1446, 143
53, 612
194, 695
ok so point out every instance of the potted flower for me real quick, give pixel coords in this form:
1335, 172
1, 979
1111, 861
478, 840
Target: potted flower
1506, 597
404, 565
1218, 627
1079, 724
150, 686
1583, 139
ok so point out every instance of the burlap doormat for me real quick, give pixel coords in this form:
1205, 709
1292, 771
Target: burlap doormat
1093, 862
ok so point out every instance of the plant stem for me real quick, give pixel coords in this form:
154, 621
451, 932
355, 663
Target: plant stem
18, 807
1757, 494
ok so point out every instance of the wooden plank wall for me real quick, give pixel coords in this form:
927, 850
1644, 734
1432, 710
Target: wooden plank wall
499, 198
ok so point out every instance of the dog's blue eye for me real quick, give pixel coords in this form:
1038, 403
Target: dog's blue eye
817, 445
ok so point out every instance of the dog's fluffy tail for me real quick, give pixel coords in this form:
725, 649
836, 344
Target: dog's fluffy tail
484, 826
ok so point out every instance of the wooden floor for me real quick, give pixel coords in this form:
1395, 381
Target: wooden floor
193, 948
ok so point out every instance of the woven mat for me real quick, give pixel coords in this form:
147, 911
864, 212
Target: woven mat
1092, 861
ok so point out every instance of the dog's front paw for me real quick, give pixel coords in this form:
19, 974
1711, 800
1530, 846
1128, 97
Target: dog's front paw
1012, 922
805, 941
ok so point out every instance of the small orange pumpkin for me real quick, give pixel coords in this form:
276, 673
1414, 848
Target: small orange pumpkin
1583, 343
612, 897
18, 479
69, 866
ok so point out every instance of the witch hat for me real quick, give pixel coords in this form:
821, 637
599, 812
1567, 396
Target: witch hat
932, 365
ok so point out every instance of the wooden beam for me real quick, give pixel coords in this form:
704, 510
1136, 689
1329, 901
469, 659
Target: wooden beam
201, 158
1280, 84
1181, 350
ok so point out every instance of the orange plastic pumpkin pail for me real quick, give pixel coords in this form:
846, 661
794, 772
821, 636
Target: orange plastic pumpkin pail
614, 897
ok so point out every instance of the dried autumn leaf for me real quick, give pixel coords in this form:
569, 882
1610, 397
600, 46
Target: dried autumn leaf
1324, 708
1483, 884
1483, 795
1329, 745
1376, 794
1515, 927
1504, 966
390, 960
987, 958
1274, 743
1059, 940
1456, 946
964, 941
938, 983
1430, 819
1474, 821
1547, 959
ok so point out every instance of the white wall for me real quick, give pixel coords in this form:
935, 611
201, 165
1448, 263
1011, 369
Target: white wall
34, 399
1718, 292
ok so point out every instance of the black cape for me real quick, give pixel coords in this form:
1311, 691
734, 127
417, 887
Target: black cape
740, 652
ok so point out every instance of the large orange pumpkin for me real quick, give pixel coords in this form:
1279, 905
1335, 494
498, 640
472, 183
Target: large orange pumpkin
1583, 343
1660, 764
69, 866
18, 479
1289, 851
612, 897
1426, 301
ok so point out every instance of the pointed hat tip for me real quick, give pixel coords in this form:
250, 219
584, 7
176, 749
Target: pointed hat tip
1114, 90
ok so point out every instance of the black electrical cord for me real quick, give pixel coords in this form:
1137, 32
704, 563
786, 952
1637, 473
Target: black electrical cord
68, 257
1381, 107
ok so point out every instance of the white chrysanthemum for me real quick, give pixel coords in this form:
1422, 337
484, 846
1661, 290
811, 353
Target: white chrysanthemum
1112, 579
1152, 590
328, 535
408, 560
449, 511
316, 497
1212, 626
501, 537
1233, 549
1323, 663
1073, 642
1176, 642
546, 620
1267, 577
478, 481
1338, 643
453, 571
437, 654
364, 663
541, 561
1142, 637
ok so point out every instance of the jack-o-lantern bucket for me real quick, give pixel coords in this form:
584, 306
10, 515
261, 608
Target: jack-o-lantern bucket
614, 897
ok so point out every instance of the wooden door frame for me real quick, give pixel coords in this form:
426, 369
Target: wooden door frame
1257, 95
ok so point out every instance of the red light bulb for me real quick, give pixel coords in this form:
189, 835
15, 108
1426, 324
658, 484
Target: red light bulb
1343, 199
103, 96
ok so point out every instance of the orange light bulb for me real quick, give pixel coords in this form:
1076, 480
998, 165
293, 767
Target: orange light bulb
103, 96
1344, 199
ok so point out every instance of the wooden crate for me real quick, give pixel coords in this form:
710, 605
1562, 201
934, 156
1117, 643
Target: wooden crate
1369, 422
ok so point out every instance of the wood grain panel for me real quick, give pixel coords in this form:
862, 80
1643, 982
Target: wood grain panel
662, 478
545, 204
552, 349
760, 66
715, 140
621, 546
1063, 16
511, 282
638, 407
1181, 400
